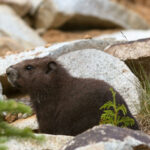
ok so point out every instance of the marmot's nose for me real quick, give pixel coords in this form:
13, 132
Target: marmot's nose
11, 72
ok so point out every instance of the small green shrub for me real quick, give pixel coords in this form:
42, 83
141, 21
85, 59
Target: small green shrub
6, 130
111, 113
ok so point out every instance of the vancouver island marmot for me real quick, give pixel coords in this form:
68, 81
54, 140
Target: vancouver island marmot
63, 104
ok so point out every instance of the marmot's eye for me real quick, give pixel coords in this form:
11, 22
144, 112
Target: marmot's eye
28, 67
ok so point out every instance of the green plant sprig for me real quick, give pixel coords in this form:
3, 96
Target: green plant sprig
6, 130
111, 113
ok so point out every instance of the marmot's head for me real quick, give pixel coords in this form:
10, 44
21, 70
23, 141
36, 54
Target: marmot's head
35, 73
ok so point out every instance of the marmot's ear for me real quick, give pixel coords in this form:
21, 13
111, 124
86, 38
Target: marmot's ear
51, 66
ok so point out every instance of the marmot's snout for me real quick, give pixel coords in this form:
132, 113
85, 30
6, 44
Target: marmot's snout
12, 75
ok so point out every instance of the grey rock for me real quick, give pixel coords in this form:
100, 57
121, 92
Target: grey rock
55, 50
130, 50
21, 7
55, 13
136, 55
91, 63
17, 29
52, 142
108, 137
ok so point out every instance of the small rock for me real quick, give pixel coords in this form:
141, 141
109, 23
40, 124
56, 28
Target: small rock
55, 13
17, 29
22, 7
108, 137
30, 122
11, 117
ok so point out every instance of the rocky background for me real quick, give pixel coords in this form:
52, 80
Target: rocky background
102, 39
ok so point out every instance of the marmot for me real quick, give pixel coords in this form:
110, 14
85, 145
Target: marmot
64, 105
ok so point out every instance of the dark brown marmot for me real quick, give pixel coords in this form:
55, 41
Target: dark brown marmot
64, 104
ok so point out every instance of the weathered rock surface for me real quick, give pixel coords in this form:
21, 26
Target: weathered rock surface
55, 13
130, 50
21, 7
108, 137
54, 50
136, 55
13, 25
87, 63
91, 63
52, 142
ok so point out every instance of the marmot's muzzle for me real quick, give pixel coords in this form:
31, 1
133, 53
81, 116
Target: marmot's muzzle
12, 75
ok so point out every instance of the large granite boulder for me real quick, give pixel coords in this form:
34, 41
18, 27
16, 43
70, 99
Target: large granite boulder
13, 26
56, 13
108, 137
55, 50
91, 63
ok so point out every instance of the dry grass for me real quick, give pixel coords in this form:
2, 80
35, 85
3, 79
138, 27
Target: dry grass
143, 117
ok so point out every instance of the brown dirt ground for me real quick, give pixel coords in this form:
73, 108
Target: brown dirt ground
54, 36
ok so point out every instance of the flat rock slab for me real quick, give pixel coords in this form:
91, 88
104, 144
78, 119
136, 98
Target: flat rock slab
130, 50
108, 137
55, 13
136, 55
52, 142
12, 25
126, 35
